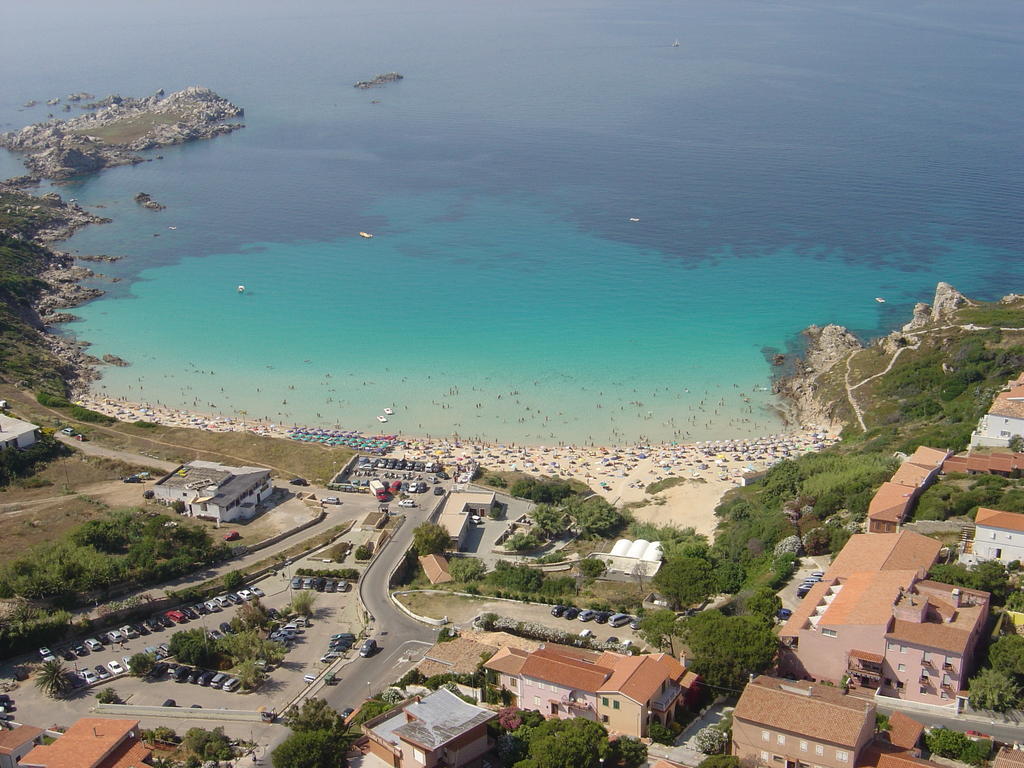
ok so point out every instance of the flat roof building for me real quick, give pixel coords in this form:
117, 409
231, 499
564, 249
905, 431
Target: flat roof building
15, 433
216, 491
457, 509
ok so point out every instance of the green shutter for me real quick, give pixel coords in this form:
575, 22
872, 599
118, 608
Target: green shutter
615, 704
604, 701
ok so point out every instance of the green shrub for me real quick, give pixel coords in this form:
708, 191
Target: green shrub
52, 401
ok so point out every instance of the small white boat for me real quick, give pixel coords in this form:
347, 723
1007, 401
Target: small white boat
367, 235
241, 289
388, 411
172, 227
879, 300
633, 218
382, 419
675, 43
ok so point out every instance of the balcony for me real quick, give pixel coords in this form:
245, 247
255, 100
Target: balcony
666, 698
574, 703
927, 663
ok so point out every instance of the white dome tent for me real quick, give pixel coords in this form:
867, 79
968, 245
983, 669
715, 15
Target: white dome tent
630, 557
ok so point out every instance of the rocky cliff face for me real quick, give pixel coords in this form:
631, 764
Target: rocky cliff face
826, 346
120, 128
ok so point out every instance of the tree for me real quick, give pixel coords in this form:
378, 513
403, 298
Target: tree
313, 715
632, 752
303, 602
363, 552
233, 581
430, 539
193, 646
685, 580
141, 664
1015, 602
994, 690
660, 733
108, 696
659, 628
764, 604
523, 541
726, 649
595, 517
253, 615
250, 674
52, 679
575, 743
312, 749
208, 745
548, 521
466, 569
710, 740
1007, 654
591, 567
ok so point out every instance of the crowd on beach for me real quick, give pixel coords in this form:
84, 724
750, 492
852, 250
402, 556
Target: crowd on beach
617, 472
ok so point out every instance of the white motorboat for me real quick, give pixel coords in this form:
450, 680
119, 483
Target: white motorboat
388, 411
382, 419
241, 289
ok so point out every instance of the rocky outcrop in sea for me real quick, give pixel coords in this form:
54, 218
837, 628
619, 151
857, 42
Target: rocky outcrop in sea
387, 77
119, 129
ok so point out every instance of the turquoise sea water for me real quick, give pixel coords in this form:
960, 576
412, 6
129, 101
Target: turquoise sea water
788, 163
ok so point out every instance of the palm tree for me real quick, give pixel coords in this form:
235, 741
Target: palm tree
52, 679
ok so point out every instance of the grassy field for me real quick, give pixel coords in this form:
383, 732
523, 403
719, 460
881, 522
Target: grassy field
128, 130
314, 462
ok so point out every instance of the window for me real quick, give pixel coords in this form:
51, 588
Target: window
765, 736
514, 682
418, 756
604, 718
803, 746
604, 701
842, 757
536, 701
780, 739
892, 646
924, 689
829, 633
903, 649
819, 750
764, 756
901, 667
615, 704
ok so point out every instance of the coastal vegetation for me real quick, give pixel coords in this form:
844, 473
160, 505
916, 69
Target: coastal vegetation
23, 462
124, 547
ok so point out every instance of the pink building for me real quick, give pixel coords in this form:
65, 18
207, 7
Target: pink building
889, 630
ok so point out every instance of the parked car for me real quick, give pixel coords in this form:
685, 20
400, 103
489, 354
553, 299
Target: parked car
299, 481
206, 677
80, 650
232, 536
332, 500
89, 676
234, 598
102, 672
218, 680
245, 594
439, 491
181, 674
558, 610
407, 503
257, 591
67, 654
368, 648
571, 613
587, 615
115, 636
344, 636
158, 670
784, 613
619, 619
153, 625
307, 679
601, 617
330, 656
190, 614
115, 668
297, 583
230, 684
169, 703
586, 633
93, 644
176, 616
165, 621
222, 601
46, 654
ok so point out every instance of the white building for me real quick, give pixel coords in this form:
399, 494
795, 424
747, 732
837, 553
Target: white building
215, 491
1004, 420
997, 536
15, 433
458, 507
640, 557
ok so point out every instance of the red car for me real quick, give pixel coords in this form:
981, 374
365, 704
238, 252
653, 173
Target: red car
176, 616
383, 496
231, 536
396, 486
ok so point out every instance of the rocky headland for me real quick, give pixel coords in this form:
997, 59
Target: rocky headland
146, 201
831, 345
118, 129
387, 77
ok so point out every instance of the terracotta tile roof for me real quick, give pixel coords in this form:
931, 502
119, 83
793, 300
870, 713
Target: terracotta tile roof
552, 665
666, 764
84, 745
994, 518
436, 568
951, 637
882, 755
459, 656
904, 732
508, 660
901, 551
928, 457
1009, 758
807, 606
913, 475
820, 712
1009, 403
16, 737
128, 755
876, 658
954, 464
927, 585
641, 677
867, 598
891, 502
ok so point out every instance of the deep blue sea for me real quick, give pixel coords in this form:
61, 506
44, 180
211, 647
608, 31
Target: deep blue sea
788, 162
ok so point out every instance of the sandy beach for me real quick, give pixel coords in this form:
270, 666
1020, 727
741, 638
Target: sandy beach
620, 474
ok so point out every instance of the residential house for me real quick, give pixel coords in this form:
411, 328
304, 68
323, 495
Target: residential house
15, 433
436, 568
895, 499
435, 730
1009, 757
456, 511
92, 742
997, 536
793, 724
18, 742
626, 693
215, 491
1004, 464
1005, 418
875, 621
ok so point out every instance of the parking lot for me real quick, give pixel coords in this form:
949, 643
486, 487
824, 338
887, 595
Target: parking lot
808, 565
333, 613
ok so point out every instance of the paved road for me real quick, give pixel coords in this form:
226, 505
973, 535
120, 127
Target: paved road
1007, 729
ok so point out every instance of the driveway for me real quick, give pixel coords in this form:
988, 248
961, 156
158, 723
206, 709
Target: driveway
808, 565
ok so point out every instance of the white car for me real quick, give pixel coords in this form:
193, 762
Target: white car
245, 594
115, 636
128, 632
407, 503
46, 654
587, 633
115, 668
222, 601
476, 520
257, 591
213, 605
89, 676
93, 645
